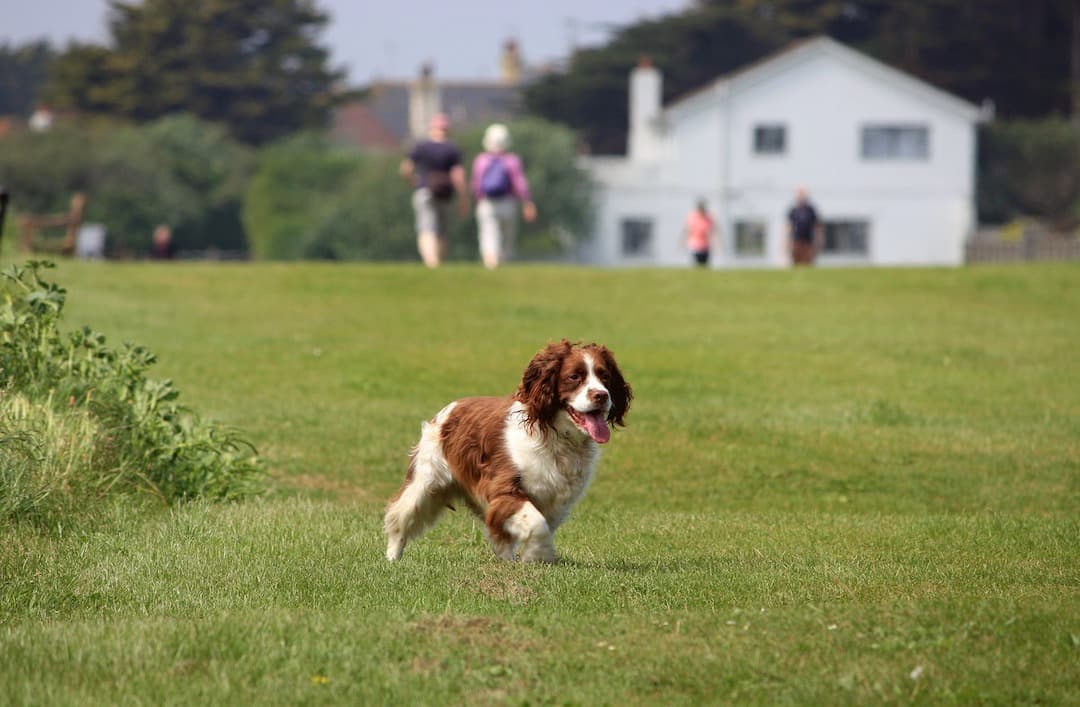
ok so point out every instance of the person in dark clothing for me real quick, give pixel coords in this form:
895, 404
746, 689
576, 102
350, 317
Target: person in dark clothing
805, 230
435, 169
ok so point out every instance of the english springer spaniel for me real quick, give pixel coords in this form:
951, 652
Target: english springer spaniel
520, 461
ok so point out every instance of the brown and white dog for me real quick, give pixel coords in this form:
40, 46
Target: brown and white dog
520, 461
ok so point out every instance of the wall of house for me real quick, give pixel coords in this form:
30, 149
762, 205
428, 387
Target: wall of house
919, 210
626, 191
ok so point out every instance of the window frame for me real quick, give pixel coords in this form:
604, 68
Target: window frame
761, 129
829, 234
749, 222
893, 143
645, 247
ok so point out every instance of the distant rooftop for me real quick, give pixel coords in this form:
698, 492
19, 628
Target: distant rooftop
381, 120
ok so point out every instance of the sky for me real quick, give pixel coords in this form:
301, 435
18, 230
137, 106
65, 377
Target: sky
391, 39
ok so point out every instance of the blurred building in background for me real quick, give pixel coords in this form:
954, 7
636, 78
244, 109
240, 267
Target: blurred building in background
889, 162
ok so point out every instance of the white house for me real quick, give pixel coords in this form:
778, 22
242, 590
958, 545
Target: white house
889, 162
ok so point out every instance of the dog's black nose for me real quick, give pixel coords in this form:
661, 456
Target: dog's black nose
598, 396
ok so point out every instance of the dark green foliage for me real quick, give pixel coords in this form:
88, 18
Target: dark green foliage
1029, 168
212, 170
176, 170
252, 65
42, 170
142, 438
370, 217
291, 192
22, 73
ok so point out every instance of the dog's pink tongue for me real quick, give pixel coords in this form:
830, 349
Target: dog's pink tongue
596, 426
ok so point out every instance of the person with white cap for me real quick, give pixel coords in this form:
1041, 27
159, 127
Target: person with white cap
499, 186
435, 169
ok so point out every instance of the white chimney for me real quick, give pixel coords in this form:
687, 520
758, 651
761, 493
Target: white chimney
643, 144
425, 100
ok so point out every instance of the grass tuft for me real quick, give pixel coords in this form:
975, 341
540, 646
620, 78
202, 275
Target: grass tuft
81, 419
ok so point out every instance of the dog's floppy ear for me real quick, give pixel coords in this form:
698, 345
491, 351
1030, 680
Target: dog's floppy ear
621, 393
539, 388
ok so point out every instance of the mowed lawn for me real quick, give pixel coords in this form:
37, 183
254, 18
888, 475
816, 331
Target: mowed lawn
835, 486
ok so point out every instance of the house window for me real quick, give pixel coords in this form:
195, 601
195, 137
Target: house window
637, 236
770, 139
749, 239
847, 238
895, 142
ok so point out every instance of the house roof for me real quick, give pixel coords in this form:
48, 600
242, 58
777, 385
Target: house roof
797, 53
381, 119
355, 123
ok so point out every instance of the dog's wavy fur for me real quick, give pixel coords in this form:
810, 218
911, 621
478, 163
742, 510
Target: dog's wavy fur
520, 461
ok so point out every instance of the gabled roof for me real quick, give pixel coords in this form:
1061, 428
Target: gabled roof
796, 54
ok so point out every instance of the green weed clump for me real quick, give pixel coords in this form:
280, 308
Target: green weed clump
81, 420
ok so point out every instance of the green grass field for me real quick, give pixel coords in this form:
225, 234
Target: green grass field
853, 486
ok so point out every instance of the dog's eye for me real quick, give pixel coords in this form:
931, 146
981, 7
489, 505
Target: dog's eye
601, 373
573, 377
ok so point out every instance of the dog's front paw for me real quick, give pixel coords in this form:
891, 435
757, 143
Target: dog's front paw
539, 552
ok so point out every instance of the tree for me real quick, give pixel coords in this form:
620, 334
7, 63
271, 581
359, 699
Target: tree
23, 72
1030, 168
253, 65
214, 170
1015, 54
291, 191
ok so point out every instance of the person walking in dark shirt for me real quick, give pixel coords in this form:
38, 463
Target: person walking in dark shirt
805, 230
434, 167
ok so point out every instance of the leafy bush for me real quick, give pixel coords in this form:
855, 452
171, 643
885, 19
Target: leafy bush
139, 436
1029, 168
291, 190
214, 170
369, 218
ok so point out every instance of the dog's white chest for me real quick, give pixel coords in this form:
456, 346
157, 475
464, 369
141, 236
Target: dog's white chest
555, 468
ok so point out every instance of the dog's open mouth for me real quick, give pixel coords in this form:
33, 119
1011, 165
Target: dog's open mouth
592, 423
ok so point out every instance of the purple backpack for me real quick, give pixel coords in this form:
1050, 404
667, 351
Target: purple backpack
495, 181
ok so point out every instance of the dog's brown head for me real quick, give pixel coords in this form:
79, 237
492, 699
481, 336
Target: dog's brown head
582, 380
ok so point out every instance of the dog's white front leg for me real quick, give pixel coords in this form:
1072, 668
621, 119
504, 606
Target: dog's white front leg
534, 538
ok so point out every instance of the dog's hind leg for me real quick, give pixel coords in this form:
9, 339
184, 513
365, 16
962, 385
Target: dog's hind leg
429, 487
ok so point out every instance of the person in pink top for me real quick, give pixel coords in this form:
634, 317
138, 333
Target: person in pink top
499, 185
699, 233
